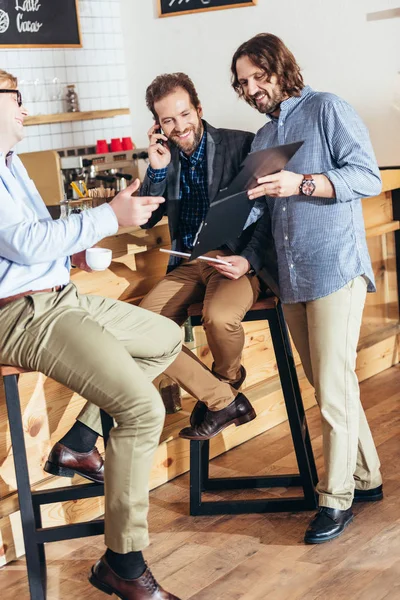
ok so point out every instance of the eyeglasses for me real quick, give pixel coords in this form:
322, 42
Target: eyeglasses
19, 97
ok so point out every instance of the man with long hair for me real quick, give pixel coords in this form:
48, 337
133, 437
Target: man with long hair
107, 351
314, 211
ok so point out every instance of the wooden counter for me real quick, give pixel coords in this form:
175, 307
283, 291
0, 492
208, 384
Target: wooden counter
49, 409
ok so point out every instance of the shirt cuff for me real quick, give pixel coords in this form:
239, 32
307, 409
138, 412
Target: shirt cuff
156, 175
105, 221
254, 261
343, 193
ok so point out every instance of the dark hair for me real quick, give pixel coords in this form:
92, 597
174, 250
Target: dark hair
270, 54
166, 84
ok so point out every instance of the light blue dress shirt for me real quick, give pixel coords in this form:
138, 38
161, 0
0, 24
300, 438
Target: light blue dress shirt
320, 242
34, 248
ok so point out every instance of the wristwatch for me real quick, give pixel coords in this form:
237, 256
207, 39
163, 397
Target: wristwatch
307, 186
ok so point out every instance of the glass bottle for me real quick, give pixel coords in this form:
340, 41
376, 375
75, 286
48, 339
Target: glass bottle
171, 395
72, 99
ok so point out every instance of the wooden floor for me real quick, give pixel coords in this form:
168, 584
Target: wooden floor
255, 557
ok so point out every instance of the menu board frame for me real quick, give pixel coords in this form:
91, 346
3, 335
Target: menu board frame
75, 26
183, 10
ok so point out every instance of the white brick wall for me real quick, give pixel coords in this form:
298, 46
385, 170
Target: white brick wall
97, 69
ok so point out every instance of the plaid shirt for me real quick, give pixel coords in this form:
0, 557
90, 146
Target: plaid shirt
193, 191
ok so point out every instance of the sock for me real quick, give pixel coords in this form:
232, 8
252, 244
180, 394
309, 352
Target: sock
80, 438
127, 566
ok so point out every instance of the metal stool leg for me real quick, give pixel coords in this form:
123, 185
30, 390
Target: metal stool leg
40, 546
33, 553
199, 459
294, 406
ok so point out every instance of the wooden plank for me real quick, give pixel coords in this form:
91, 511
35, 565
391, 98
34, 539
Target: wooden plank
376, 337
381, 308
390, 179
86, 115
375, 359
377, 210
382, 229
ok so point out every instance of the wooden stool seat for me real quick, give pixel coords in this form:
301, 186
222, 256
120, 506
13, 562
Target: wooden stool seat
8, 370
30, 502
196, 310
267, 308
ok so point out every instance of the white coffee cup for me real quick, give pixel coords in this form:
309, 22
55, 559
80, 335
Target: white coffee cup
98, 259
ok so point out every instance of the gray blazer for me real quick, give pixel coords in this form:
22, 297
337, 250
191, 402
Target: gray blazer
225, 150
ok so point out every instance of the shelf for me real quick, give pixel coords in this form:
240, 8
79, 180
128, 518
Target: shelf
78, 116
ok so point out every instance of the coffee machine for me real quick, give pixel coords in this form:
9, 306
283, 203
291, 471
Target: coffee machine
111, 170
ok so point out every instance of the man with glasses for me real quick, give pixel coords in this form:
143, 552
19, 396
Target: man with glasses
105, 350
17, 94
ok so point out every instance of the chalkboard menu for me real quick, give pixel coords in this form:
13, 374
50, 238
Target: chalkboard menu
169, 8
39, 23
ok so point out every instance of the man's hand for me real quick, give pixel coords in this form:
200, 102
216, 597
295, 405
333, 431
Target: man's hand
159, 154
134, 210
238, 266
279, 185
79, 260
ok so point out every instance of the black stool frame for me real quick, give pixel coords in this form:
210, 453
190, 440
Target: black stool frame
306, 478
35, 535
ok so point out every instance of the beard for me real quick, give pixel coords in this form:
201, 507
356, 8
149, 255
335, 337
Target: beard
187, 146
270, 102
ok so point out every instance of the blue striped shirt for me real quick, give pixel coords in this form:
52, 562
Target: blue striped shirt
320, 242
193, 191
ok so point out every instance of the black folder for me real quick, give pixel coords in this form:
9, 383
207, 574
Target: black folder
228, 213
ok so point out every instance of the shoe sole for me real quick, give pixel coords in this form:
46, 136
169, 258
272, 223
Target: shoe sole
239, 421
103, 587
332, 537
53, 469
376, 498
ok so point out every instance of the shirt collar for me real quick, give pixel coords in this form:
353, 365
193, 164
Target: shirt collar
7, 158
198, 154
287, 106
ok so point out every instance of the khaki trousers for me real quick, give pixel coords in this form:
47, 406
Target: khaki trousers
325, 333
225, 302
109, 352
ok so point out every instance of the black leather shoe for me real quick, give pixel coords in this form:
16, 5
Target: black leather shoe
200, 409
238, 412
373, 495
327, 525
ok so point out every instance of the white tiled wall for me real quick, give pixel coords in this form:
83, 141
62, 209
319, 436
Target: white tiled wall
97, 69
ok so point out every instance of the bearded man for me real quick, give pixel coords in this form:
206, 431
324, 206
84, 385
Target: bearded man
190, 161
313, 211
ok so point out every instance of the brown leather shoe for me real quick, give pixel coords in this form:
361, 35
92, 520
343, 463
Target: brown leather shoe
200, 409
66, 463
143, 588
239, 411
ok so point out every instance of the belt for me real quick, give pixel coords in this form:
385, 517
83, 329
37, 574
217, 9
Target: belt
5, 301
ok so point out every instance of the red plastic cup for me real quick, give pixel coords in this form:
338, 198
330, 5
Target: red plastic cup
101, 146
116, 145
127, 143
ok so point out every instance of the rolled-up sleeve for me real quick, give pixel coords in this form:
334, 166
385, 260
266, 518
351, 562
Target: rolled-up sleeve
357, 173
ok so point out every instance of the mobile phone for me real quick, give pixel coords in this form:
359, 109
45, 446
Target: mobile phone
161, 142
